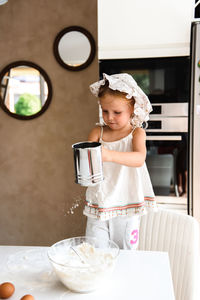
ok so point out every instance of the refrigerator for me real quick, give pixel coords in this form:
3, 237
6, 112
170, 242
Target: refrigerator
194, 124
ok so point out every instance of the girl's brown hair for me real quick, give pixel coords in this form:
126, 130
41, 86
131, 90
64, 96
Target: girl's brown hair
105, 90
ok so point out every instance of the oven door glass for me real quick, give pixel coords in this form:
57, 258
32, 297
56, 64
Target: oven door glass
164, 80
167, 162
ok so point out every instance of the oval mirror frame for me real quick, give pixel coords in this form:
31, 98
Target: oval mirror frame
46, 78
91, 42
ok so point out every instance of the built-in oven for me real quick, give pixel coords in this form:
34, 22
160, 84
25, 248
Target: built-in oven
167, 157
166, 81
167, 150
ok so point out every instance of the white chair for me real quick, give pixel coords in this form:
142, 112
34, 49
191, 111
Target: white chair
177, 234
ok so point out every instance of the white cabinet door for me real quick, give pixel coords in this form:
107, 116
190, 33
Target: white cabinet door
147, 28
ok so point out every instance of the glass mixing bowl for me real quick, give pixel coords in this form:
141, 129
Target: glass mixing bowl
83, 264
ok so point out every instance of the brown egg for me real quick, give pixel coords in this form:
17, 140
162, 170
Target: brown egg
27, 297
6, 290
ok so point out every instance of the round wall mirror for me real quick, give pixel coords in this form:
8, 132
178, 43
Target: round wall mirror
74, 48
25, 90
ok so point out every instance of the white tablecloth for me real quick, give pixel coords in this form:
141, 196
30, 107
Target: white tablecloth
139, 275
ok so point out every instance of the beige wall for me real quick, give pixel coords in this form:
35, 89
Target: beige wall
36, 161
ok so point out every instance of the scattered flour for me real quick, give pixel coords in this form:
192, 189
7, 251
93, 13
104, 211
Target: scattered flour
74, 206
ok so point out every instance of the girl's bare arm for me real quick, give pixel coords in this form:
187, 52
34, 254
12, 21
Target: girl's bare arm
134, 158
94, 135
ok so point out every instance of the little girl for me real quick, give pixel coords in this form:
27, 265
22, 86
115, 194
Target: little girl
114, 206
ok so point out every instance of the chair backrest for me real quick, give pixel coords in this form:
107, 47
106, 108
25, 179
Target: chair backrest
177, 234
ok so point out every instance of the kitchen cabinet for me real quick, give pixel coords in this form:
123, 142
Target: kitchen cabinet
135, 28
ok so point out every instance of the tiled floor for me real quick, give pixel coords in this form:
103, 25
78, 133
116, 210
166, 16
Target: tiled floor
178, 204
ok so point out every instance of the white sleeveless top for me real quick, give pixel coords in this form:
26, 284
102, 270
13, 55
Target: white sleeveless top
125, 191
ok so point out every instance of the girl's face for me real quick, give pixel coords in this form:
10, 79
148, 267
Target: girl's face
116, 111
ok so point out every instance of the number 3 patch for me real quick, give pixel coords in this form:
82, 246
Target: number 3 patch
134, 237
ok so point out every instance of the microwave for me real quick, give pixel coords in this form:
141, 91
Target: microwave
163, 79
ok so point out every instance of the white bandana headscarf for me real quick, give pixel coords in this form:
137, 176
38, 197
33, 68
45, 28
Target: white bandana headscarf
125, 83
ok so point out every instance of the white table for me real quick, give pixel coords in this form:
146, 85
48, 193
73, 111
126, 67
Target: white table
139, 275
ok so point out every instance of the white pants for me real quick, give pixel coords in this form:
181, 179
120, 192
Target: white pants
124, 231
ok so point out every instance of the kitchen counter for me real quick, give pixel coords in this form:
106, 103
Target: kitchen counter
139, 275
